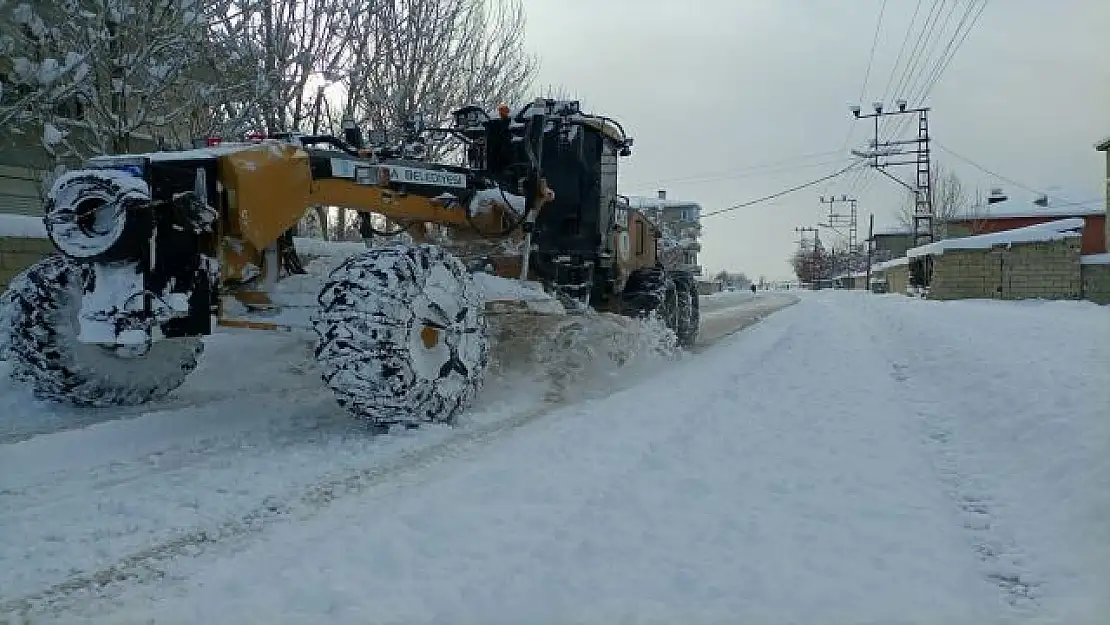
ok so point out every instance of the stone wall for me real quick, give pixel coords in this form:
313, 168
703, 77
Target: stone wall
1096, 283
1045, 270
897, 279
16, 254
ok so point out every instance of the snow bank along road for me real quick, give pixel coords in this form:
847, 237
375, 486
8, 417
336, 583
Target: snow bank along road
91, 496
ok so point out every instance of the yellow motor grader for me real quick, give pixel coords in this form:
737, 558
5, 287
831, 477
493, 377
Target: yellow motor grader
155, 250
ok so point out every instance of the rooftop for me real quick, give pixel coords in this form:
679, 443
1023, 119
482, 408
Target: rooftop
640, 203
889, 231
1035, 211
1051, 231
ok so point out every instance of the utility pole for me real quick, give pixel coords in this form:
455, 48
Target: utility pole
844, 220
914, 151
907, 152
870, 246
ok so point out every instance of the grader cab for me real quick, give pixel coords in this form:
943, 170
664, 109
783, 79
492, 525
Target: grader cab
155, 250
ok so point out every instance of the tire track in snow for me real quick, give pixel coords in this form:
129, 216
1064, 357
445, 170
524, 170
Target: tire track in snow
1005, 562
146, 565
149, 565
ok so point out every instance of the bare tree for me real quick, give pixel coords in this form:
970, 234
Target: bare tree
88, 76
295, 48
430, 57
951, 201
560, 92
810, 264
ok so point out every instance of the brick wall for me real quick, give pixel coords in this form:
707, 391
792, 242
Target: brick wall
1046, 270
16, 254
1096, 283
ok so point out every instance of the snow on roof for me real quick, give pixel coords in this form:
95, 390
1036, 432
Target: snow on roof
1095, 259
892, 231
1062, 211
639, 202
1050, 231
22, 226
894, 262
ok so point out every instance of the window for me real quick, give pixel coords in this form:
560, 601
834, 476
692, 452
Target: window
640, 236
688, 214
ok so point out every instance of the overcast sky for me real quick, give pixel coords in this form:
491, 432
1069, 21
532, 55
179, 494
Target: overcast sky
729, 100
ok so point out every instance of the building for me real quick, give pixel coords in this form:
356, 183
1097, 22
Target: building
1104, 146
1003, 217
889, 243
680, 223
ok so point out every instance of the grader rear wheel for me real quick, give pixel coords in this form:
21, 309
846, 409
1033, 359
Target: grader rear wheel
402, 335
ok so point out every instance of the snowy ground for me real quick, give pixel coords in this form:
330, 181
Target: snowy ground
852, 458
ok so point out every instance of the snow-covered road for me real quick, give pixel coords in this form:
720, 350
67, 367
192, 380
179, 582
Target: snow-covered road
852, 458
252, 437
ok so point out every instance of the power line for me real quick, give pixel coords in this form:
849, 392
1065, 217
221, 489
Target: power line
753, 169
871, 57
1004, 178
946, 57
926, 29
936, 76
931, 47
783, 192
867, 72
901, 51
919, 47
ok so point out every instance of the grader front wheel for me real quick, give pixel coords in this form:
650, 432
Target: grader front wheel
402, 335
38, 336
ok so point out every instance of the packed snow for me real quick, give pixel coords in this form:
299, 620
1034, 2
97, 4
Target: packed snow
851, 458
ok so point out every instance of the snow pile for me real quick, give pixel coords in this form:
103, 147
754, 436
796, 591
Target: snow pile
311, 246
1050, 231
499, 289
485, 199
22, 226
